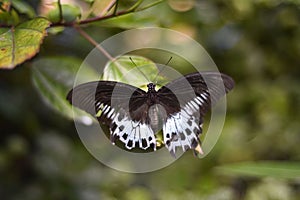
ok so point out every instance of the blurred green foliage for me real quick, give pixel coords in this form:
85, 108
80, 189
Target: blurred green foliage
255, 42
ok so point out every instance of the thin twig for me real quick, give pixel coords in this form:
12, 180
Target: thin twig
116, 7
60, 11
93, 42
108, 8
135, 6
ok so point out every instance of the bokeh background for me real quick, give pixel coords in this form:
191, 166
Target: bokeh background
257, 156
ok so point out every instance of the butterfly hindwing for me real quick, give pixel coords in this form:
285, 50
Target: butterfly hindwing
184, 124
109, 102
132, 133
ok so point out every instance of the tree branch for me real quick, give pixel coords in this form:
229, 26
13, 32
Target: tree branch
134, 8
93, 42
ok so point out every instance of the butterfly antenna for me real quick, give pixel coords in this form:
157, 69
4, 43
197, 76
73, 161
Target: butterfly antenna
155, 80
139, 69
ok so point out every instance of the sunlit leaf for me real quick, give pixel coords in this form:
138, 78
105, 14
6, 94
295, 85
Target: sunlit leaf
138, 73
22, 42
288, 170
54, 78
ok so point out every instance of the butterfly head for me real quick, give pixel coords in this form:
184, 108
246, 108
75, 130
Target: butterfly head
151, 87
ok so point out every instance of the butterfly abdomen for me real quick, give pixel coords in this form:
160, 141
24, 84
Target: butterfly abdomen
157, 116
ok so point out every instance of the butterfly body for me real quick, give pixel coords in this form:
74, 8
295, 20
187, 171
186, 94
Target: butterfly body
135, 116
152, 93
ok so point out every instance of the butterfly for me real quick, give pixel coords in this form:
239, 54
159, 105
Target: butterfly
135, 116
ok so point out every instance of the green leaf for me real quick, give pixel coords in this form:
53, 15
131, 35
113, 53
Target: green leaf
22, 42
289, 170
132, 20
23, 7
124, 70
55, 30
69, 13
54, 77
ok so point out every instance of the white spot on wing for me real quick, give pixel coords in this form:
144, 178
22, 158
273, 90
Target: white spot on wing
181, 127
194, 105
201, 100
198, 101
134, 133
106, 109
203, 96
98, 104
110, 113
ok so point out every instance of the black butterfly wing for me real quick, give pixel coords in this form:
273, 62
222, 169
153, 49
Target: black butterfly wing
114, 104
188, 99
